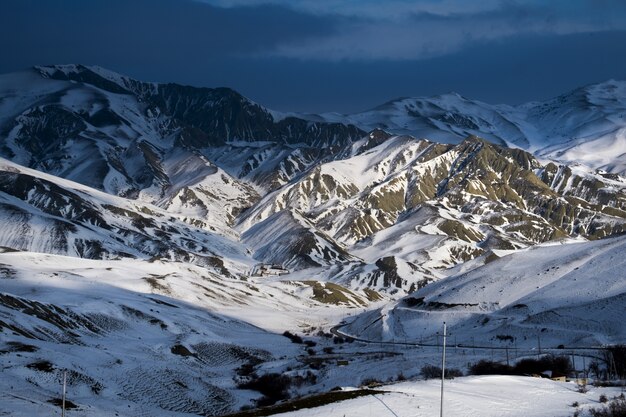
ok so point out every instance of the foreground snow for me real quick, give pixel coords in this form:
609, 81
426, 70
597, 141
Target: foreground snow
483, 396
122, 328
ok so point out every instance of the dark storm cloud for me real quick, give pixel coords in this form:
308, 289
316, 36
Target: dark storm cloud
169, 33
331, 55
519, 70
420, 34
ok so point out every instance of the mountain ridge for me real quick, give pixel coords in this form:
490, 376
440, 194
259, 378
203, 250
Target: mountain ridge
157, 239
152, 142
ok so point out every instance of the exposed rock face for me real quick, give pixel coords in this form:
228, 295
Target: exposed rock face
194, 164
183, 202
96, 124
54, 216
479, 193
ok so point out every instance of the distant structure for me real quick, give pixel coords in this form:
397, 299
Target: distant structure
555, 376
268, 270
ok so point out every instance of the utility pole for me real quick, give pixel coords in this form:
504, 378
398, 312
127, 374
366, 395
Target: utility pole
538, 346
613, 366
63, 401
443, 368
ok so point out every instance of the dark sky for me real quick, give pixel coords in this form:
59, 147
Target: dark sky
330, 55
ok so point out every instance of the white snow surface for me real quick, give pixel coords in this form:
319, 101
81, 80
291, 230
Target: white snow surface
485, 396
571, 294
564, 128
115, 322
141, 309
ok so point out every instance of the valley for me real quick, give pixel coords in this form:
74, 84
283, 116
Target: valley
173, 248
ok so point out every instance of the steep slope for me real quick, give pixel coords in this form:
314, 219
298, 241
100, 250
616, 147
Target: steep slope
123, 136
567, 294
135, 338
288, 239
47, 214
585, 125
447, 204
104, 136
220, 114
267, 165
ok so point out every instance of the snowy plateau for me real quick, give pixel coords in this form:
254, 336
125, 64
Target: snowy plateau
178, 251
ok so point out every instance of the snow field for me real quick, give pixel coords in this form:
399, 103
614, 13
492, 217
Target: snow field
485, 396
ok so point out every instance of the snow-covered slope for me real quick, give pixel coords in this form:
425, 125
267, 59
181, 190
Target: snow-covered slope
145, 141
438, 205
117, 134
571, 294
43, 213
585, 125
446, 118
135, 218
286, 238
220, 163
136, 338
486, 396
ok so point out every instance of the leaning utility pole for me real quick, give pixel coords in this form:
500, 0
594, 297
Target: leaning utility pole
443, 368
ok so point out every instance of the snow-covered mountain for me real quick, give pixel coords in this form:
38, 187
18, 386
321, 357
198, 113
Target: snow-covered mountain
455, 202
124, 136
150, 227
288, 189
584, 126
570, 294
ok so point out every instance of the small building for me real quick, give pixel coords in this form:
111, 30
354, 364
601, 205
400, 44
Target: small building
555, 376
267, 270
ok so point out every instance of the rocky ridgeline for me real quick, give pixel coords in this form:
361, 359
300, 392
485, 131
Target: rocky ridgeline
198, 167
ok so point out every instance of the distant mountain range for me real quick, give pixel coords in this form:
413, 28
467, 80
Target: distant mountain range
176, 172
137, 220
584, 126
